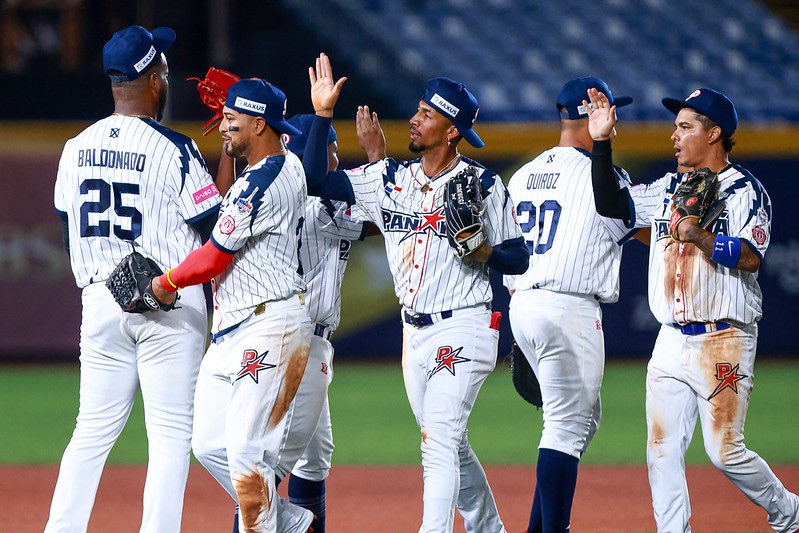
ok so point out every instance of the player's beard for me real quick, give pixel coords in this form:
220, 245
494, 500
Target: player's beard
416, 148
235, 150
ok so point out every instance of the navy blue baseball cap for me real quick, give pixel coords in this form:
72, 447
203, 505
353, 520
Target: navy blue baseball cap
455, 102
303, 123
259, 98
573, 92
710, 103
133, 50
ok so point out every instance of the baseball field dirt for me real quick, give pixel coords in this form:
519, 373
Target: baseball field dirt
365, 499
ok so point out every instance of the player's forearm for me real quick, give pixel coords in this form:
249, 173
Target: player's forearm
202, 265
611, 200
64, 230
509, 257
334, 185
225, 174
731, 252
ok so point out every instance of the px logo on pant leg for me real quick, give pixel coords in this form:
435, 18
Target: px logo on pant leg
252, 363
728, 377
447, 358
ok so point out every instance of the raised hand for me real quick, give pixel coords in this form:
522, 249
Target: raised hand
370, 134
324, 90
601, 115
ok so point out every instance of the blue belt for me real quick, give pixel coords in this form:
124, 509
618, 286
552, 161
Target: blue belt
320, 330
420, 320
695, 328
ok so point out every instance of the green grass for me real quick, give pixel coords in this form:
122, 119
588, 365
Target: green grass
373, 424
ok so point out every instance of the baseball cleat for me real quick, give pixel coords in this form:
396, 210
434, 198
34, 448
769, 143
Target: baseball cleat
293, 518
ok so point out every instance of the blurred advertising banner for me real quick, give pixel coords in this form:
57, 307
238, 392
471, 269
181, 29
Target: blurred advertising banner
41, 316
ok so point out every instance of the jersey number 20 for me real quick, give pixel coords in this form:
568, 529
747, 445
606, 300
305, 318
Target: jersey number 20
550, 209
103, 226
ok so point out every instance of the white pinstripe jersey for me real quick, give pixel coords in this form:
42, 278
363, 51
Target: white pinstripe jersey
428, 276
684, 285
260, 220
126, 179
327, 236
572, 248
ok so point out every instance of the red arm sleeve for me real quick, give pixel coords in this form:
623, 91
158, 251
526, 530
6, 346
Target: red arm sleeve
200, 266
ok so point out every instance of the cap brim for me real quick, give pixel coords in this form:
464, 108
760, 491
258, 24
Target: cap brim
472, 138
284, 127
621, 101
674, 105
163, 38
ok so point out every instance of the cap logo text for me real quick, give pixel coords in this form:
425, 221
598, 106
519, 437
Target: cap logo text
694, 94
143, 62
442, 103
250, 105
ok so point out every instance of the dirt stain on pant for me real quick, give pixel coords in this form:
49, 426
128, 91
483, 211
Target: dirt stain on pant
255, 500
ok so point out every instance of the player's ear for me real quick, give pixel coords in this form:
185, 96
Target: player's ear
714, 134
452, 134
260, 125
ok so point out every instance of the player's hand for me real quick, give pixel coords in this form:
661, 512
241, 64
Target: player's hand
688, 230
601, 115
161, 294
370, 134
324, 90
482, 254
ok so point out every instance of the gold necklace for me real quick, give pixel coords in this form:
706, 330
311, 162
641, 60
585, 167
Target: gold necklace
449, 166
133, 115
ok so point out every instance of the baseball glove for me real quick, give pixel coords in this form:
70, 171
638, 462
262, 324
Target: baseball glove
213, 92
131, 285
524, 379
696, 197
463, 211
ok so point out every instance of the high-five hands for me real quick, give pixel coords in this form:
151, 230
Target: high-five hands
370, 134
324, 90
601, 115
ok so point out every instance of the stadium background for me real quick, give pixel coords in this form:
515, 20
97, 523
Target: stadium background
513, 54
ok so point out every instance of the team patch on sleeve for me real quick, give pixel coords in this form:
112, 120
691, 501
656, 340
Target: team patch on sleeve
209, 191
227, 225
759, 235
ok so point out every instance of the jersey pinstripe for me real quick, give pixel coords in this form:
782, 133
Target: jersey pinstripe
684, 285
129, 180
259, 221
428, 277
572, 248
327, 236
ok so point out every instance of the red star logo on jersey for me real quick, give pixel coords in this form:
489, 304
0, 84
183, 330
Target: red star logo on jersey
447, 358
728, 377
431, 220
252, 363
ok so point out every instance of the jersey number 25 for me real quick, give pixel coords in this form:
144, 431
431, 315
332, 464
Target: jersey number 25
102, 227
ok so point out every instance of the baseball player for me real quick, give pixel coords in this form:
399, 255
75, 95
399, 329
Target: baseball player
450, 336
555, 311
128, 181
326, 239
703, 290
261, 332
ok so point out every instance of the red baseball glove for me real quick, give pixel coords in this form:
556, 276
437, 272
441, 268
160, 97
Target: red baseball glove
213, 93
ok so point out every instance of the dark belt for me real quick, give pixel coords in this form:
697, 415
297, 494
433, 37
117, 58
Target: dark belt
696, 328
420, 320
320, 330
